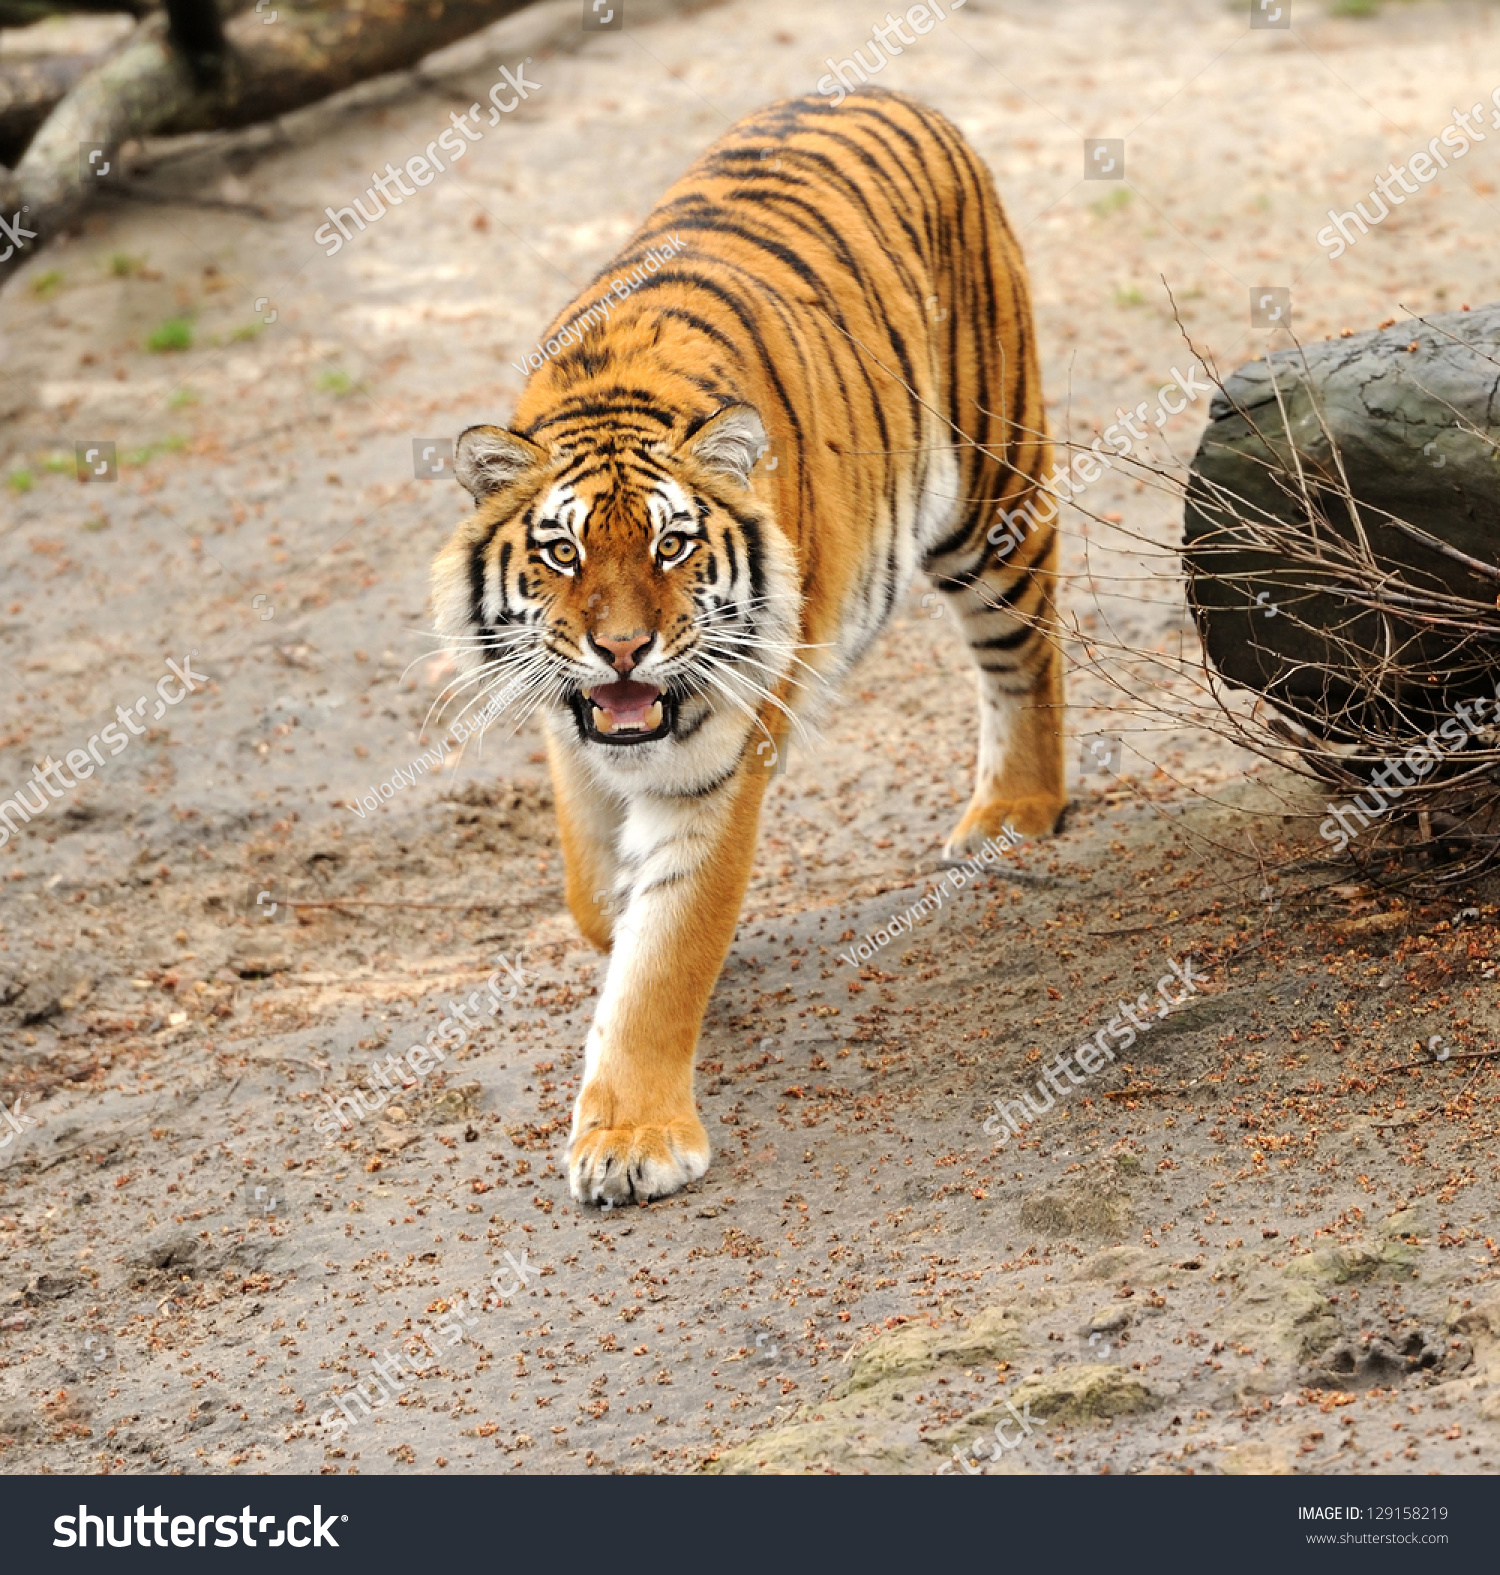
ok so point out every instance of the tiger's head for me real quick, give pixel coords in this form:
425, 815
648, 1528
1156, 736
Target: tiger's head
634, 585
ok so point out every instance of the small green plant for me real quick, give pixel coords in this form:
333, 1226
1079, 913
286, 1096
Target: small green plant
1129, 295
46, 285
59, 464
145, 454
20, 481
181, 397
123, 266
338, 383
97, 523
1119, 198
1354, 8
248, 331
174, 334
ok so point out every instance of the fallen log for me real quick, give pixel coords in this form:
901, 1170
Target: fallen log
1340, 528
22, 13
149, 87
31, 87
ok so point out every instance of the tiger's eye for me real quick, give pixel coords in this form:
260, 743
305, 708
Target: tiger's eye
670, 546
563, 552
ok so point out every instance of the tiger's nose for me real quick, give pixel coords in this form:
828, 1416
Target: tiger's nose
621, 651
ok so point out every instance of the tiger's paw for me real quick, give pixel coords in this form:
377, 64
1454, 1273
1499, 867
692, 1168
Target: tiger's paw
618, 1164
1034, 815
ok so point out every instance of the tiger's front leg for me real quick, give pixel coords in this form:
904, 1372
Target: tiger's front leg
684, 863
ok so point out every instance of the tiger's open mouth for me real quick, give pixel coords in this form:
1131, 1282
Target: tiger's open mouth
624, 712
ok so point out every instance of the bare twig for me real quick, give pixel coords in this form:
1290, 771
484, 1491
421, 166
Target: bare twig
1452, 1060
366, 902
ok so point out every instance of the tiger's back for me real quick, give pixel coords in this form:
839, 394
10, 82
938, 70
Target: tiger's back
849, 272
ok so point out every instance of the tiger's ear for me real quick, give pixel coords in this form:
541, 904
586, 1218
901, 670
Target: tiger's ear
488, 458
730, 441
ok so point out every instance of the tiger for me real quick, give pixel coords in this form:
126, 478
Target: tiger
817, 373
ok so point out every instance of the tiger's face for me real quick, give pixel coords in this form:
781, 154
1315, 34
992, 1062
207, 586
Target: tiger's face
641, 590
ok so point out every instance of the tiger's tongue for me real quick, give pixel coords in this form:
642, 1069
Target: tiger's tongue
626, 705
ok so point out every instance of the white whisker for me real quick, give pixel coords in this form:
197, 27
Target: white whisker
758, 690
498, 672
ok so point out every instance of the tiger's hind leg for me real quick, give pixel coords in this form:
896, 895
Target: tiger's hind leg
996, 553
1008, 616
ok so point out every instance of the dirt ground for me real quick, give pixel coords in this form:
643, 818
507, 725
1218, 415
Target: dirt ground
1259, 1242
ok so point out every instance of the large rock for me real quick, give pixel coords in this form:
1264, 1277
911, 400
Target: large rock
1418, 432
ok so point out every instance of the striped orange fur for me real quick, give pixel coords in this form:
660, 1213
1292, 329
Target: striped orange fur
817, 375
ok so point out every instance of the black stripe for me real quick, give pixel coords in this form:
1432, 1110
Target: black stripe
709, 788
1004, 642
666, 880
702, 326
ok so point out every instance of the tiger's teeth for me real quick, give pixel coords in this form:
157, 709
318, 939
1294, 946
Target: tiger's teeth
650, 720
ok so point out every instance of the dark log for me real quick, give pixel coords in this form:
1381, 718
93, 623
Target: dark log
146, 87
22, 13
1363, 603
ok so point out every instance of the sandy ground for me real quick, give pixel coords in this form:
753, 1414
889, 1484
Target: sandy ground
1251, 1245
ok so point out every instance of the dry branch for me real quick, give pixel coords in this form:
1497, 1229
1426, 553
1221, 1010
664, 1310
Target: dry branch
1298, 530
1341, 563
